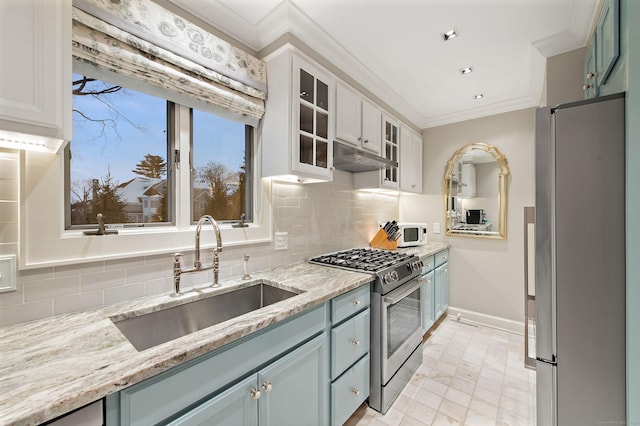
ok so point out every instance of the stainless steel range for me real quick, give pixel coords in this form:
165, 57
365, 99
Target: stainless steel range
396, 332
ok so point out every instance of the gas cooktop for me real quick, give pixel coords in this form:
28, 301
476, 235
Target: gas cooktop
363, 259
391, 267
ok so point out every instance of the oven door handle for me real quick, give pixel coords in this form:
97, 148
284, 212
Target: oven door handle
396, 296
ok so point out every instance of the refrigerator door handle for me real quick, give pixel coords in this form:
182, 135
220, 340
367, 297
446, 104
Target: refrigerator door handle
551, 361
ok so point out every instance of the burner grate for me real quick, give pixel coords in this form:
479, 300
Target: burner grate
362, 259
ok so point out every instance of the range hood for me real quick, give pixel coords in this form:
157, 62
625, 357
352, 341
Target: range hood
351, 159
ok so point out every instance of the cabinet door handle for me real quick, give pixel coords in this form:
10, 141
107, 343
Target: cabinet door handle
591, 75
355, 391
366, 141
587, 87
428, 281
267, 387
446, 270
255, 394
355, 342
356, 302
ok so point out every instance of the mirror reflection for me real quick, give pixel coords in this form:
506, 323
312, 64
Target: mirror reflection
476, 192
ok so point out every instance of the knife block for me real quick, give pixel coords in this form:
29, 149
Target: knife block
381, 241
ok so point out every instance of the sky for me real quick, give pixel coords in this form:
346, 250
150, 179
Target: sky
140, 128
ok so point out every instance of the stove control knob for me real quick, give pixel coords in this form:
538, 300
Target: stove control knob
391, 277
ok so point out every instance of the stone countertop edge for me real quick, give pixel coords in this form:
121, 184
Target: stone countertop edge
53, 366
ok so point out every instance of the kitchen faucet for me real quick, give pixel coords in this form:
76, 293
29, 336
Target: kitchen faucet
197, 264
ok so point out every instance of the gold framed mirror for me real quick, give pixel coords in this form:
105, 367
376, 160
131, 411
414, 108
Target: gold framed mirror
474, 205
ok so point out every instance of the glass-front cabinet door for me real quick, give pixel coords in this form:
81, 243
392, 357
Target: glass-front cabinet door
313, 120
390, 143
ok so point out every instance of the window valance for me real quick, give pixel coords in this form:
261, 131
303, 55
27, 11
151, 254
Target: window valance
141, 40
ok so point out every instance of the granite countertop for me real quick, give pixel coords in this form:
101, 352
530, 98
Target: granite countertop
53, 366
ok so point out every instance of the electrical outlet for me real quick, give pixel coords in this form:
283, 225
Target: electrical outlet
436, 228
281, 240
7, 273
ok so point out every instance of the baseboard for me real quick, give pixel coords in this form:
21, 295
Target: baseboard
472, 317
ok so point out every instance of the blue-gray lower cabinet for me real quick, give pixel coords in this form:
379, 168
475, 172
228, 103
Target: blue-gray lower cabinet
233, 407
349, 342
427, 296
441, 289
301, 341
350, 334
311, 369
290, 391
294, 388
349, 391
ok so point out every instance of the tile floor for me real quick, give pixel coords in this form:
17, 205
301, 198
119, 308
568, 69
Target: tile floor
470, 375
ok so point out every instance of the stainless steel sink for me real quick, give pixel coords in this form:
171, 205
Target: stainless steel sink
148, 330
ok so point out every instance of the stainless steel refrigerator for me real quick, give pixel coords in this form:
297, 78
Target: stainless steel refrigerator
580, 263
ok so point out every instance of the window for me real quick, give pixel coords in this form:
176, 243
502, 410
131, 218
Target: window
122, 156
118, 155
220, 173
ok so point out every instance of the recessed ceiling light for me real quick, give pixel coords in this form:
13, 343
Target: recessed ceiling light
448, 35
466, 70
478, 96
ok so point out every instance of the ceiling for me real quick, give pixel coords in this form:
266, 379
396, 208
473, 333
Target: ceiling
394, 48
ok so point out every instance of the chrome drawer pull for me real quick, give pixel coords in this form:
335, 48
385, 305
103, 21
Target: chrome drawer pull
255, 394
355, 342
355, 391
267, 387
356, 302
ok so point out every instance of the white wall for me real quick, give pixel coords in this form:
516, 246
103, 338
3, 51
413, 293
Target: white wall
486, 276
318, 218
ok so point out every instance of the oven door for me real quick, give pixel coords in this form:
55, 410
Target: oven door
400, 326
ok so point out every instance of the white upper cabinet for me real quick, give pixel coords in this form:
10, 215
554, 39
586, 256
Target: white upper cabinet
410, 161
297, 128
357, 119
387, 178
390, 151
35, 74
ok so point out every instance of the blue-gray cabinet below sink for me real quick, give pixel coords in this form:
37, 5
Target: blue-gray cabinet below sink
264, 375
310, 369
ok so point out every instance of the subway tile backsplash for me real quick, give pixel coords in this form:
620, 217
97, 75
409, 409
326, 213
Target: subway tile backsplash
318, 218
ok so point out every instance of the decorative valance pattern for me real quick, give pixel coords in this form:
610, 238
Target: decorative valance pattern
144, 41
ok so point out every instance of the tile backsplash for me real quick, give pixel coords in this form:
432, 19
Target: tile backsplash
318, 218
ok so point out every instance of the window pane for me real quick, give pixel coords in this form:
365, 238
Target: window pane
306, 150
118, 163
306, 86
219, 172
306, 119
323, 124
323, 95
322, 154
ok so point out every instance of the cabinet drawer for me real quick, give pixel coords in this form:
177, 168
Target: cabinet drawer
349, 391
441, 257
349, 303
349, 341
428, 263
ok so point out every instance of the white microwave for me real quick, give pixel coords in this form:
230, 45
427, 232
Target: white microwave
411, 234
